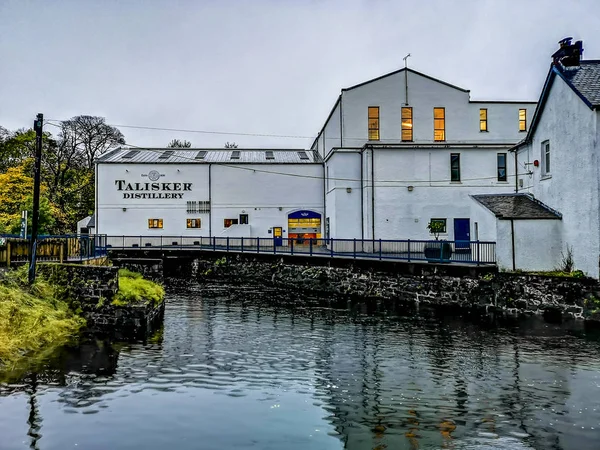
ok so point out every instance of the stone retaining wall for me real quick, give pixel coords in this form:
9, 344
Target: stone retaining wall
553, 297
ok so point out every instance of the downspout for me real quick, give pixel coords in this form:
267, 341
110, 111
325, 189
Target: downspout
341, 127
373, 193
512, 235
96, 202
209, 201
324, 224
405, 85
516, 171
362, 199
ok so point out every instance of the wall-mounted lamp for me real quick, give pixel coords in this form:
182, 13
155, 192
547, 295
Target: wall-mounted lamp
410, 188
124, 209
348, 190
126, 170
280, 208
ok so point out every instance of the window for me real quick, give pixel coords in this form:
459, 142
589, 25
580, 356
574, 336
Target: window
193, 223
440, 221
546, 158
501, 166
228, 222
269, 154
201, 154
522, 120
235, 154
454, 166
130, 154
407, 124
303, 155
155, 223
166, 154
198, 207
439, 124
373, 123
483, 119
243, 219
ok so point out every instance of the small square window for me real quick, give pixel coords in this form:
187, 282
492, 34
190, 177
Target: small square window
194, 223
155, 223
243, 219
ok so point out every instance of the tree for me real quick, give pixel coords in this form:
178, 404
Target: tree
436, 227
91, 136
230, 145
176, 143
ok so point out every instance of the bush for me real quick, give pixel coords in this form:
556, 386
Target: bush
134, 289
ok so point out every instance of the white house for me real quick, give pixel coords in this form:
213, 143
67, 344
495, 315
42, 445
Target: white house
209, 192
558, 165
405, 148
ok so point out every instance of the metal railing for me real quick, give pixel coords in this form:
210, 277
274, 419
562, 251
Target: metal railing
465, 252
53, 248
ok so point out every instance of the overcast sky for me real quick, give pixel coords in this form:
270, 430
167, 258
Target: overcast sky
260, 66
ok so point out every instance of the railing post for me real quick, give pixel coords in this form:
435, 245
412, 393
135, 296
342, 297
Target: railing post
409, 250
214, 243
478, 254
441, 251
331, 248
161, 242
180, 242
354, 248
123, 245
291, 242
242, 244
311, 246
257, 245
140, 241
380, 249
61, 256
8, 250
274, 246
227, 243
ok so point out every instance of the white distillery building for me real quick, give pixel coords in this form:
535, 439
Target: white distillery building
559, 168
405, 148
209, 192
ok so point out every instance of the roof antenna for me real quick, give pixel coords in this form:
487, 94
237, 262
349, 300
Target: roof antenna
406, 79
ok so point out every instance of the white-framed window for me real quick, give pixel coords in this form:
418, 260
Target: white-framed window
193, 223
546, 158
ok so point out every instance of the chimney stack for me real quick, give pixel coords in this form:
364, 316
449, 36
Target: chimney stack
568, 55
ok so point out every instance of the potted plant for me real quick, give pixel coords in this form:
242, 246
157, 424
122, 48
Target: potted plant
437, 250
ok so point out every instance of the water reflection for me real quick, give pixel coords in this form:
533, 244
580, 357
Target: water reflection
246, 367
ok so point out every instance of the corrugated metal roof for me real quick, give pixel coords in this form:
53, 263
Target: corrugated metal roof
209, 155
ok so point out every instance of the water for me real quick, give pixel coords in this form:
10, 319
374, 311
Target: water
243, 373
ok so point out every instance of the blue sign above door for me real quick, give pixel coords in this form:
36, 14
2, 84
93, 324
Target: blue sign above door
304, 215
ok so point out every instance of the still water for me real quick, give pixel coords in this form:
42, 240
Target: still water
252, 372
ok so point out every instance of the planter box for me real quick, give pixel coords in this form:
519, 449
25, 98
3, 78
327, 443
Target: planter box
438, 251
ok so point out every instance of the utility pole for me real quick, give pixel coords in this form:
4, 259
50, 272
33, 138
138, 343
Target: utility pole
37, 126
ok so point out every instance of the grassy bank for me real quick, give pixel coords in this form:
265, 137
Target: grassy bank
134, 289
32, 319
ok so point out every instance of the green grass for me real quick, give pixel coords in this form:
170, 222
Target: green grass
32, 320
134, 289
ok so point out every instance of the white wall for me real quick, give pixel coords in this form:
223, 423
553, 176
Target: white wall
572, 189
266, 192
113, 220
404, 214
538, 245
343, 207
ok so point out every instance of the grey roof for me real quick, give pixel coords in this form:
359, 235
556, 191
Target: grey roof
516, 206
209, 155
585, 79
92, 222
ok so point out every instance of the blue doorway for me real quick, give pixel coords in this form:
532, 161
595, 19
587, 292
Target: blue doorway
462, 233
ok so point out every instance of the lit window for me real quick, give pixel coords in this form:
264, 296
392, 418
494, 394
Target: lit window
439, 124
407, 124
155, 223
442, 222
501, 166
483, 119
193, 223
373, 123
228, 222
243, 219
454, 166
522, 120
546, 158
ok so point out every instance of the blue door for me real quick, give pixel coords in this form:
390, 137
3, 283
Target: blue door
277, 236
462, 233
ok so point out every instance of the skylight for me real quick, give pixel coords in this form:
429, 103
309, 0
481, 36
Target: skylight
303, 155
235, 154
166, 154
269, 154
201, 154
130, 154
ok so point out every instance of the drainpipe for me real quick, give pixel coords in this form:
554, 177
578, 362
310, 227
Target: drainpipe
341, 126
512, 236
362, 200
516, 171
373, 192
210, 201
323, 222
96, 205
